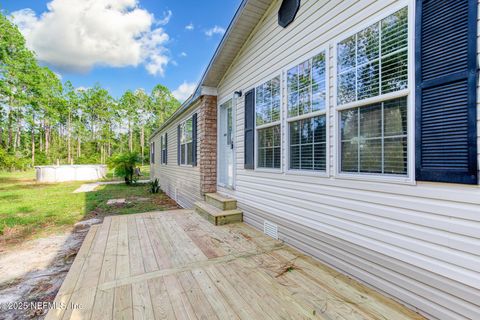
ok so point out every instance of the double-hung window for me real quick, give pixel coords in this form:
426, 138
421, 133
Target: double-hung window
267, 110
306, 105
163, 152
186, 142
372, 66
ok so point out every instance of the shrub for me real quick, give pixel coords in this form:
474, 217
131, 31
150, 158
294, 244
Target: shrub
154, 186
124, 166
11, 162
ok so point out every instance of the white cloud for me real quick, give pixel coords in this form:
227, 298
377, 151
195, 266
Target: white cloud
77, 35
183, 54
184, 91
166, 18
215, 30
190, 26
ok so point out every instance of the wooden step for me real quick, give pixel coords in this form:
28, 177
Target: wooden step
221, 202
217, 216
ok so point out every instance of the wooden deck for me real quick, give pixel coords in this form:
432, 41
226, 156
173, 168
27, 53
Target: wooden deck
175, 265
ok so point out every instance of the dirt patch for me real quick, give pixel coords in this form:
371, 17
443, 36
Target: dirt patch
34, 271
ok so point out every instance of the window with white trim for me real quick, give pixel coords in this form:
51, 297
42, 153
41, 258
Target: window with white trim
370, 65
186, 142
163, 152
267, 110
306, 105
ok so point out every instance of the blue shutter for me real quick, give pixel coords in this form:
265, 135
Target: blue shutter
194, 139
250, 129
446, 96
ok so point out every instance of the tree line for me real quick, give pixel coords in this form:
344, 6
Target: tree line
45, 121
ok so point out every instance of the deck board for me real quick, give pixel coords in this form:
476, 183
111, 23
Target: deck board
175, 265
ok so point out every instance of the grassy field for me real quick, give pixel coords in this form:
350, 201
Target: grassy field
29, 209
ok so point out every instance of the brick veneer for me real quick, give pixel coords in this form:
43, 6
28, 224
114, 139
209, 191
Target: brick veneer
207, 144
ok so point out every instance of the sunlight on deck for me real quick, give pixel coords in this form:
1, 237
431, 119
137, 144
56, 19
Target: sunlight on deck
175, 265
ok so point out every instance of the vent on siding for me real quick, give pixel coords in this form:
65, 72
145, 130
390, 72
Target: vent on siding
270, 229
287, 12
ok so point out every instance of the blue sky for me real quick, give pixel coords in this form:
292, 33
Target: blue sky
124, 44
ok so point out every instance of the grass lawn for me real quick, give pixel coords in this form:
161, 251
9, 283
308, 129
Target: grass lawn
29, 209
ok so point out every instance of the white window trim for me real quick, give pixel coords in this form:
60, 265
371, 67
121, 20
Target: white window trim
181, 123
409, 92
263, 126
326, 112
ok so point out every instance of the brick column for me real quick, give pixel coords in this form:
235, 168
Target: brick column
207, 146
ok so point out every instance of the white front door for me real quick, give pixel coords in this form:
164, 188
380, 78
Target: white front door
225, 145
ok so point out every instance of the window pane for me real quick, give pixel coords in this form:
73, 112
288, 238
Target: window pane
276, 136
307, 132
371, 156
395, 32
349, 124
295, 157
346, 54
182, 154
395, 72
190, 153
307, 144
346, 87
269, 158
395, 113
368, 44
319, 129
306, 157
377, 149
294, 133
396, 155
292, 79
310, 94
269, 141
350, 156
304, 100
304, 78
276, 157
320, 155
261, 158
293, 104
188, 130
371, 121
267, 102
368, 81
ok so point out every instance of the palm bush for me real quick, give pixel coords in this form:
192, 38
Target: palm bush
124, 166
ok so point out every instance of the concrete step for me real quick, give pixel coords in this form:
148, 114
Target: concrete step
221, 202
218, 216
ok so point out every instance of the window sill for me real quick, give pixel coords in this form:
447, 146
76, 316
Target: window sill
319, 174
186, 166
376, 178
266, 170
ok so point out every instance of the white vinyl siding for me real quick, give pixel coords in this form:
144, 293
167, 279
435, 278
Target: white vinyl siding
417, 242
181, 183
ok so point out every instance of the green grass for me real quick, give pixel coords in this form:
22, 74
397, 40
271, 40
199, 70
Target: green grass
28, 208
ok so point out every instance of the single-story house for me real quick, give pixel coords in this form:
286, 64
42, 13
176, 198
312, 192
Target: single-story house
349, 130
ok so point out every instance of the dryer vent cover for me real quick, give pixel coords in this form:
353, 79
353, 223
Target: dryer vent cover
288, 11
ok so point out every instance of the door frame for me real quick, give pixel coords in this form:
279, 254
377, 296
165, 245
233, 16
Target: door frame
234, 140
